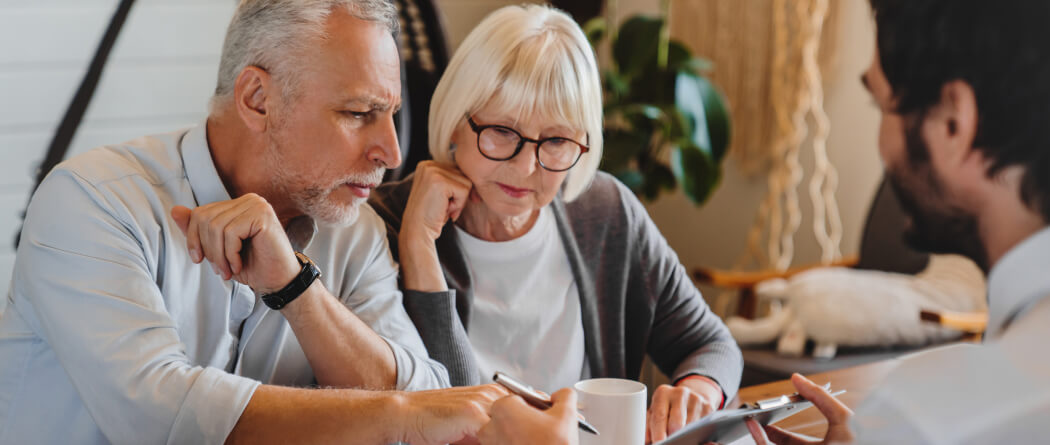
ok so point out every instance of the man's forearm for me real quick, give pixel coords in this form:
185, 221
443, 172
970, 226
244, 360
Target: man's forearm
342, 350
281, 415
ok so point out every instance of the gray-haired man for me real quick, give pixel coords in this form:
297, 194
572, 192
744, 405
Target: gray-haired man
133, 314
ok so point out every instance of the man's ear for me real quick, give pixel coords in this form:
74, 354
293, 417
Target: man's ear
252, 94
956, 121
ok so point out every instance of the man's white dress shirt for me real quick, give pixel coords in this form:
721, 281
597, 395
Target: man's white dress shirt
113, 335
997, 392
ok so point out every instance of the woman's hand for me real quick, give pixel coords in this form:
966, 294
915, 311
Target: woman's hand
674, 407
439, 193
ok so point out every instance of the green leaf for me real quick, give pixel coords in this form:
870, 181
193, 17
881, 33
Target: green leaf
595, 30
698, 65
636, 45
616, 85
620, 147
696, 172
658, 178
631, 178
678, 56
704, 113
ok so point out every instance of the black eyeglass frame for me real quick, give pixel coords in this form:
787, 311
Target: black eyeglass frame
477, 128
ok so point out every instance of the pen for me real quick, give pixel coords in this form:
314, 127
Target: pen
535, 399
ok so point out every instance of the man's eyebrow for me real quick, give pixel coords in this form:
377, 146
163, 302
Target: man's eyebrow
374, 103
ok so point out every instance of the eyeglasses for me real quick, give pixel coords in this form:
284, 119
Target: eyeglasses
500, 143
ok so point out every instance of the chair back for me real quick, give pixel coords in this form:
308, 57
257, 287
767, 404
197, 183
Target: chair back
424, 57
882, 245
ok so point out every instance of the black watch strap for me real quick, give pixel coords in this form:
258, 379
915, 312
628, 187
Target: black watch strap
278, 300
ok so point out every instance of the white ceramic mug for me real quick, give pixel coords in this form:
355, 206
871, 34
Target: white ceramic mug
616, 407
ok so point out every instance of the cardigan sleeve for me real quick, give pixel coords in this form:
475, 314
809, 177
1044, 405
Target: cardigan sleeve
686, 337
433, 313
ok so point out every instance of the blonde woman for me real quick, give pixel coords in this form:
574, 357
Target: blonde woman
517, 255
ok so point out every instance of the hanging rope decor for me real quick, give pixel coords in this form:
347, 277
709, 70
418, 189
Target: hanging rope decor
768, 57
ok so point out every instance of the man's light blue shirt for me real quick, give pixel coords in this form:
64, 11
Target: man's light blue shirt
112, 335
997, 392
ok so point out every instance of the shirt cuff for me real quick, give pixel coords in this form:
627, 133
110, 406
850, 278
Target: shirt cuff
212, 407
413, 375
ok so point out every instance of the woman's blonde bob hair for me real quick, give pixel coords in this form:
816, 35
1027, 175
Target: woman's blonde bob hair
523, 61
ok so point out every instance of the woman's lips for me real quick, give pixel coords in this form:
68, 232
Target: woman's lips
513, 192
360, 190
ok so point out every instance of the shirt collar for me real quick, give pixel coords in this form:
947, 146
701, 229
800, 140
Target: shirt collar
200, 168
207, 186
1018, 279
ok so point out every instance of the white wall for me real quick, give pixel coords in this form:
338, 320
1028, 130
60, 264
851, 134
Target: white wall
159, 77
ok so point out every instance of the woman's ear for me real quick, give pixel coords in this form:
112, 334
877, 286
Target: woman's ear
251, 97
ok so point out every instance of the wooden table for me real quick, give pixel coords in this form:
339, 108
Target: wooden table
858, 382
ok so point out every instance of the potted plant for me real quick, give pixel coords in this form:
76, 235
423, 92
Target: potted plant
657, 99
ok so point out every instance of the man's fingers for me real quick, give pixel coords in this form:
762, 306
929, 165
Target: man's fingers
507, 404
221, 226
181, 215
833, 409
779, 436
193, 238
235, 231
564, 403
756, 431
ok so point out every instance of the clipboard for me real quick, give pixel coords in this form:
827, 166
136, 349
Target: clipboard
726, 426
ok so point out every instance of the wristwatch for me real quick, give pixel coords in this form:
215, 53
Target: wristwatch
293, 290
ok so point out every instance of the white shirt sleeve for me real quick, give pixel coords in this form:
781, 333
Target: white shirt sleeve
998, 392
92, 297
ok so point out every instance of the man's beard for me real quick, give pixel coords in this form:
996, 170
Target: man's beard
937, 225
313, 199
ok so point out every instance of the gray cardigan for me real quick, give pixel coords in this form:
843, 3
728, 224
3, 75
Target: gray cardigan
635, 296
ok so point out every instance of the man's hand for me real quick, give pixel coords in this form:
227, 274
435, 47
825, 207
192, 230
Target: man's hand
439, 193
836, 412
242, 239
674, 407
447, 415
515, 422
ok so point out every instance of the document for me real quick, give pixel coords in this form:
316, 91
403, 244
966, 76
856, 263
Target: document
727, 426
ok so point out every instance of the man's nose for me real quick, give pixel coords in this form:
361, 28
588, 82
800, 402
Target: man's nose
385, 149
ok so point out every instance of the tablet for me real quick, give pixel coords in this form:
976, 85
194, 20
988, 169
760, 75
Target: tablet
726, 426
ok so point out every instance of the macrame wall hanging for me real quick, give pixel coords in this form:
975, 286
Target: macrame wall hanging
768, 57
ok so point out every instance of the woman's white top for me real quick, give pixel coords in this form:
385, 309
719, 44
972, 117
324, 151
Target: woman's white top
526, 318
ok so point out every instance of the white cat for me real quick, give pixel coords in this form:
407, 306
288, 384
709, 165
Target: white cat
838, 306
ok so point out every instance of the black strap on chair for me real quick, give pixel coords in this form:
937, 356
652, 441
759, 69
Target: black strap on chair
56, 152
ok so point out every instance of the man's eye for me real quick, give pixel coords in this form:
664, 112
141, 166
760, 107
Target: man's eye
358, 114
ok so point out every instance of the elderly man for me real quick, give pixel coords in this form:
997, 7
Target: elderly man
135, 313
962, 87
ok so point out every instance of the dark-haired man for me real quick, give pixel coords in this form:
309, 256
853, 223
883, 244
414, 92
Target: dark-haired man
964, 90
